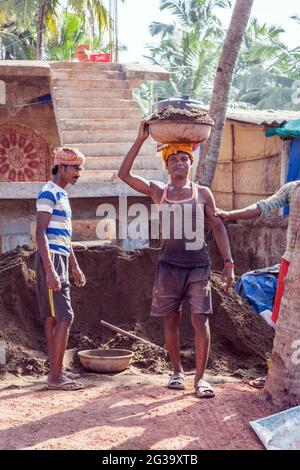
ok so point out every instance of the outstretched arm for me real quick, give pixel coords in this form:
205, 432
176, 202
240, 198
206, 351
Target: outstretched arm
250, 212
265, 206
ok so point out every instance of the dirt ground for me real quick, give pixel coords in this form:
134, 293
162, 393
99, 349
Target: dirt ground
141, 413
119, 291
129, 411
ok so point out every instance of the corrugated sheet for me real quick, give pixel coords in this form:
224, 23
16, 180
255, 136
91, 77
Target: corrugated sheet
274, 118
270, 117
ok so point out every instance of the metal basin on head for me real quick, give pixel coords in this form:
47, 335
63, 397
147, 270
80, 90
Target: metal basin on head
105, 360
167, 132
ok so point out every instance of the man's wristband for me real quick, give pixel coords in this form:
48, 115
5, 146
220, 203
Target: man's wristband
229, 263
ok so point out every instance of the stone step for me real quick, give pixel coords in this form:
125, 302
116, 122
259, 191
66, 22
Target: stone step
88, 74
99, 124
98, 113
95, 103
92, 176
108, 93
85, 66
113, 149
79, 83
114, 163
68, 137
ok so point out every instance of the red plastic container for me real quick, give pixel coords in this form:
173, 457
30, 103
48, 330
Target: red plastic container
100, 57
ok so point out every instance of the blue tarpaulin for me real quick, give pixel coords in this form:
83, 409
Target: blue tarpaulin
290, 129
259, 288
294, 166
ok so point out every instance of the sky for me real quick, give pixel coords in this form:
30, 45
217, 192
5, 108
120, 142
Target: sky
135, 17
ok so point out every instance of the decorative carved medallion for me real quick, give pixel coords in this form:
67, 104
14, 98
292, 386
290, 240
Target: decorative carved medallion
24, 154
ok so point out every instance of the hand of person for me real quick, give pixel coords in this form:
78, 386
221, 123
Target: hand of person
53, 281
143, 133
228, 277
78, 276
224, 215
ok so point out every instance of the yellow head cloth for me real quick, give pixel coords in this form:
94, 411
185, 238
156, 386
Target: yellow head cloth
173, 149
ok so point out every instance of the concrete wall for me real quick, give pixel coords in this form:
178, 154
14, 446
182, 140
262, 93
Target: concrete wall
17, 221
254, 244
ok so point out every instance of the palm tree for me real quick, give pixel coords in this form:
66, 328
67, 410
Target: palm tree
61, 43
15, 42
40, 28
210, 152
42, 13
95, 16
189, 45
266, 70
45, 15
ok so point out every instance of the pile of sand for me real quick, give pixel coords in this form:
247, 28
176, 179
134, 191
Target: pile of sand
119, 291
177, 114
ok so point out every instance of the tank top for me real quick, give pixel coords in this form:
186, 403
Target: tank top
182, 231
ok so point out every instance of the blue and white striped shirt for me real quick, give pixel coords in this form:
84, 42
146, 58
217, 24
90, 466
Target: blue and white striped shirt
54, 200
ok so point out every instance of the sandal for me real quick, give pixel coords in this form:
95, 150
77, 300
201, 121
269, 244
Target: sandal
66, 386
260, 382
203, 389
176, 381
70, 375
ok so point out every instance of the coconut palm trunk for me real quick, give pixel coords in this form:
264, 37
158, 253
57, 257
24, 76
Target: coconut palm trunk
40, 29
232, 44
283, 383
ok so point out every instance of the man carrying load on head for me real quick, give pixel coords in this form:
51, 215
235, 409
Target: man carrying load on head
183, 270
54, 255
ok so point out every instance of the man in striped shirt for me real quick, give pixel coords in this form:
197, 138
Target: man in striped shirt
54, 255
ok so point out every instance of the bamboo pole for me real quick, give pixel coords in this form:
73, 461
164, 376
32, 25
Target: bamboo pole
111, 29
116, 19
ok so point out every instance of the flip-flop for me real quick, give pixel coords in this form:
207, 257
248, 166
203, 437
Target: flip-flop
259, 382
71, 375
176, 381
66, 386
203, 389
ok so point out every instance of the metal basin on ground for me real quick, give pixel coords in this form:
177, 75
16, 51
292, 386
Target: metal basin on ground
188, 132
105, 360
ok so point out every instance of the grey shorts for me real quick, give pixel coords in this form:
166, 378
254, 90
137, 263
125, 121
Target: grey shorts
54, 304
174, 284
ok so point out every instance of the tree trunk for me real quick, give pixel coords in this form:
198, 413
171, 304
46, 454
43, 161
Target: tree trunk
283, 383
232, 44
40, 29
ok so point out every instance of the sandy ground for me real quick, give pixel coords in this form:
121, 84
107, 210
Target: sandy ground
134, 409
128, 411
